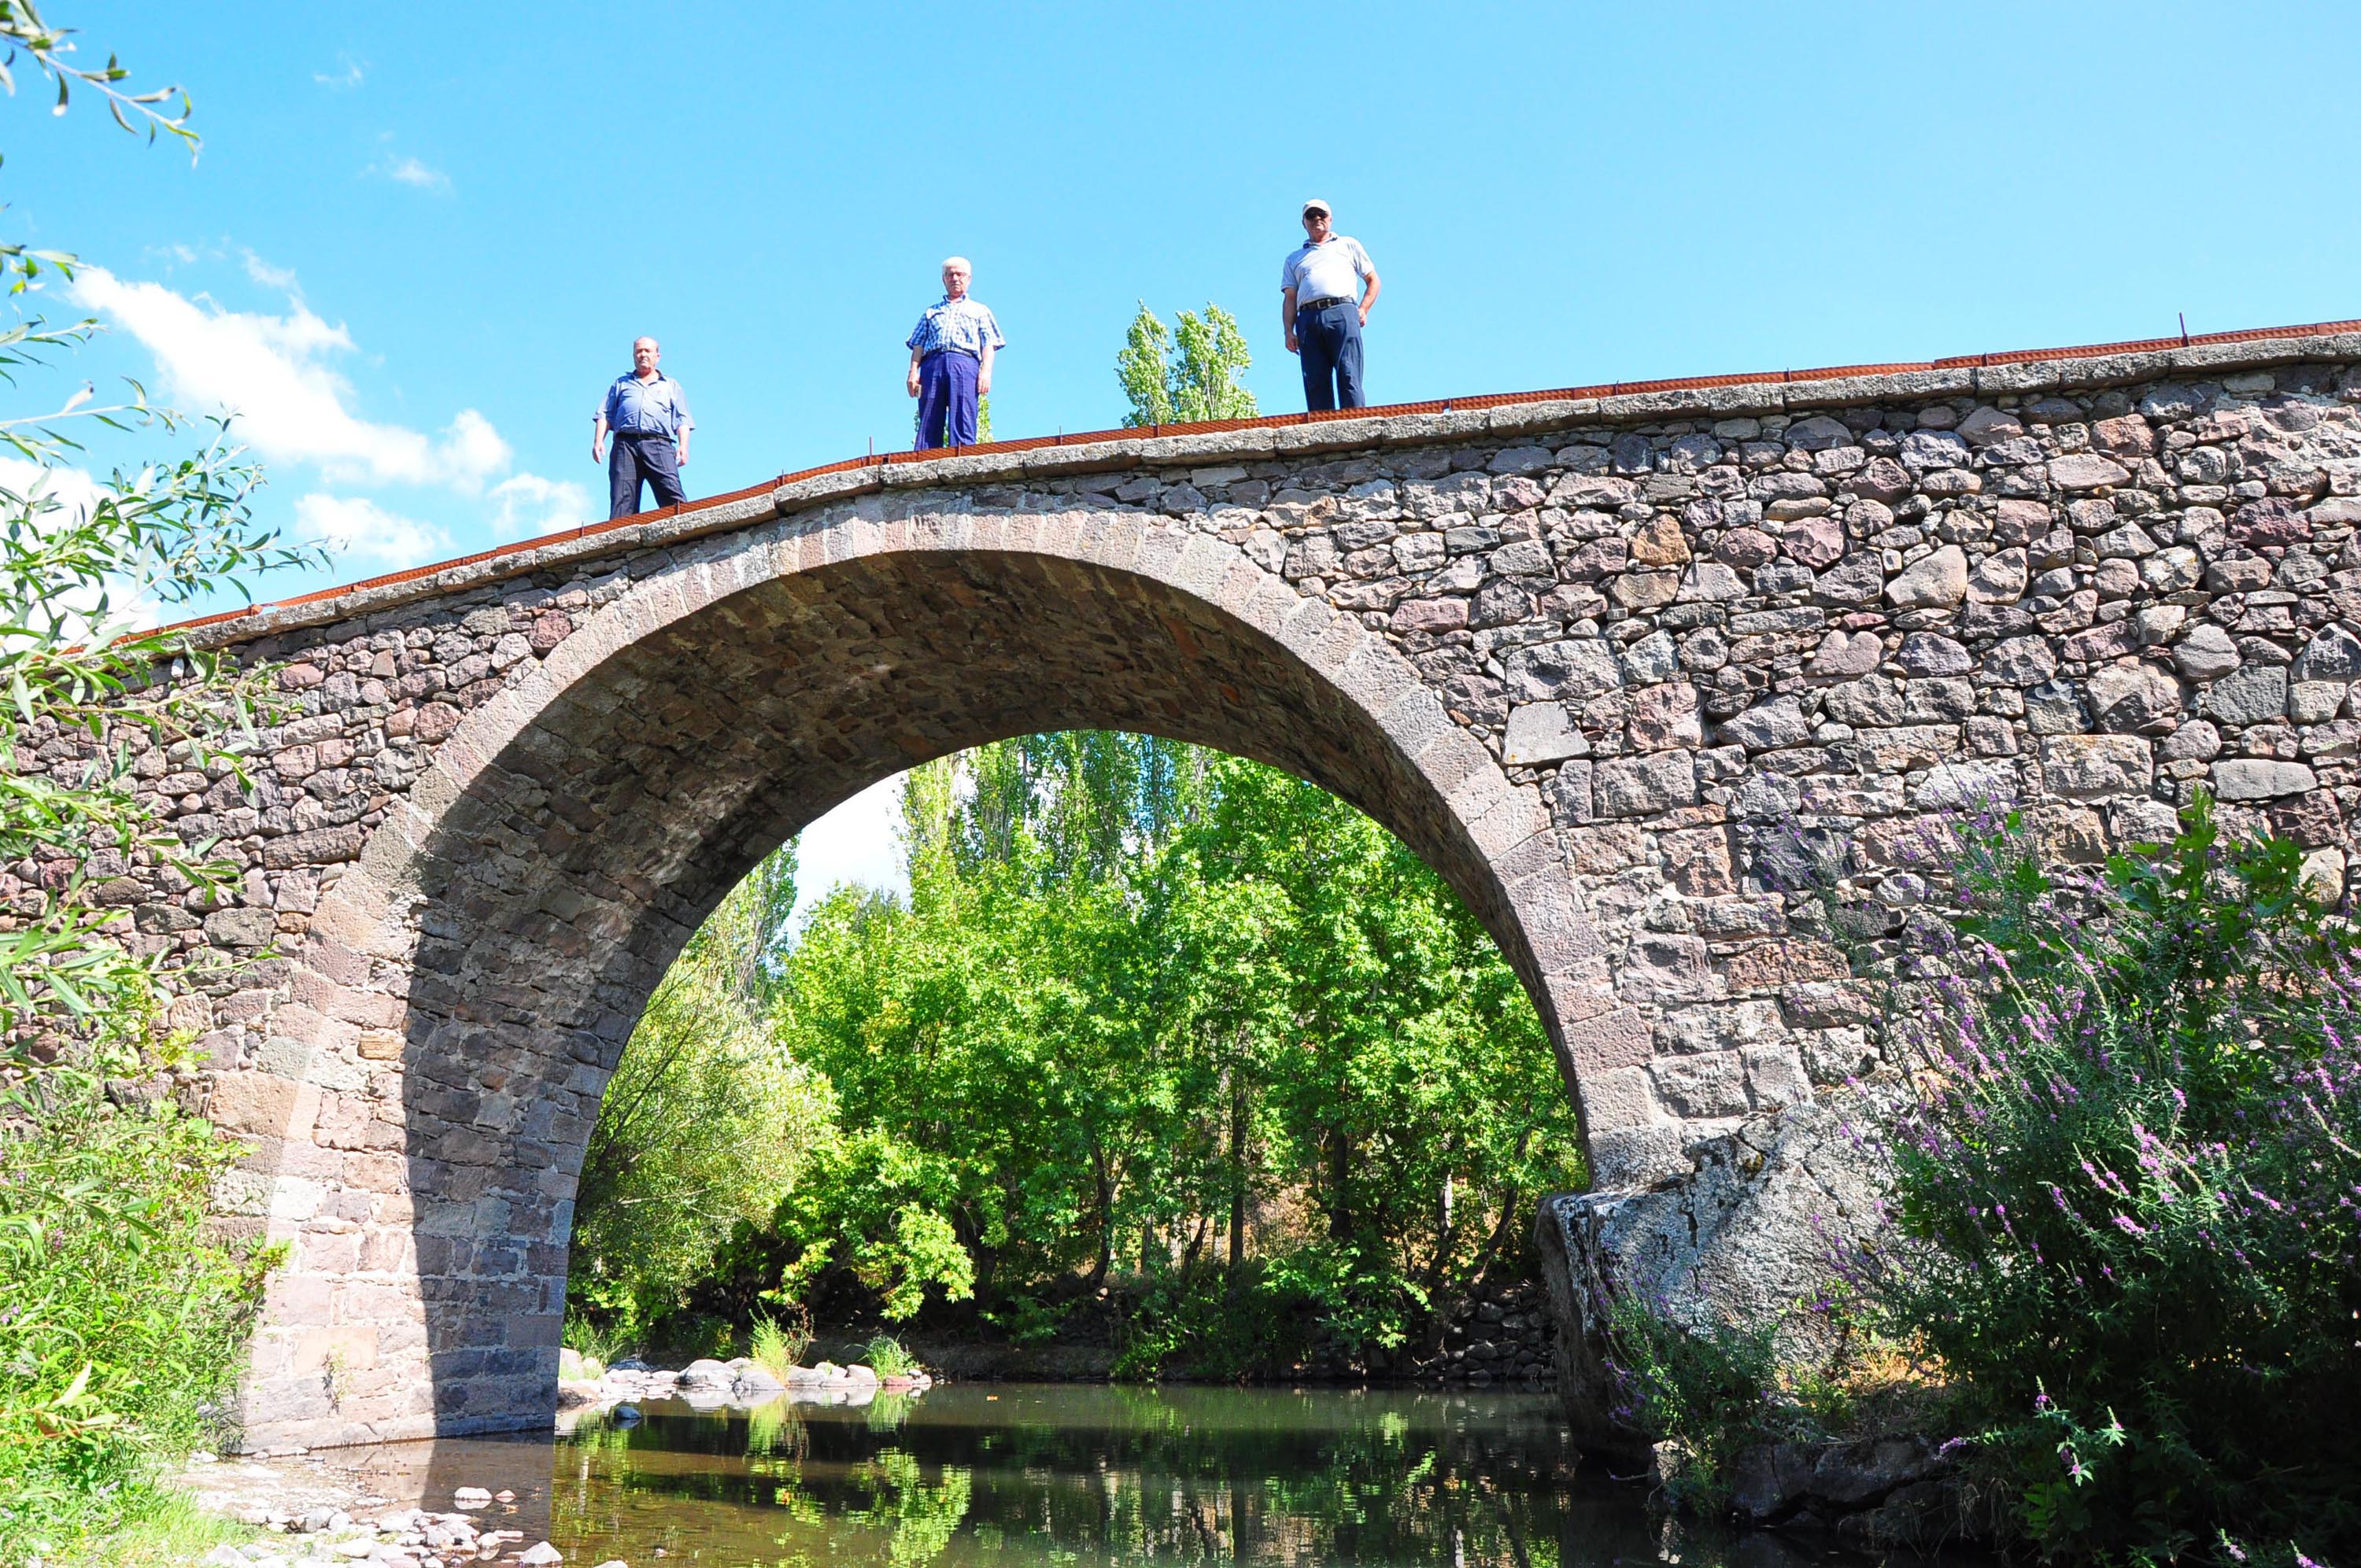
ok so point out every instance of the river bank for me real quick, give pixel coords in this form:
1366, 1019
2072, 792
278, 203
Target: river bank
1500, 1336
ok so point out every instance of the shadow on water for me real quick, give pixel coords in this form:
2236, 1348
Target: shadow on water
1058, 1474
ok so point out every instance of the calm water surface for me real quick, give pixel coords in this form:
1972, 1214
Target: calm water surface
1020, 1474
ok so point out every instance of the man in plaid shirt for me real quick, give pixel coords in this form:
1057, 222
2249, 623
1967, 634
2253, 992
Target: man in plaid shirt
950, 361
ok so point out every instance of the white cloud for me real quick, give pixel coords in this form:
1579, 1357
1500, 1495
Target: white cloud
408, 171
270, 372
350, 76
362, 532
279, 278
528, 503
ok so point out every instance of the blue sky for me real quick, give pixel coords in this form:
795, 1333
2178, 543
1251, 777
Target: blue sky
421, 238
447, 215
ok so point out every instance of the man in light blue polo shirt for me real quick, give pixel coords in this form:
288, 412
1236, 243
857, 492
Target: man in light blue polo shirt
1324, 309
649, 415
950, 361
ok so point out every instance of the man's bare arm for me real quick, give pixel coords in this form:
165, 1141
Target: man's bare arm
1369, 295
913, 382
680, 446
598, 438
983, 373
1287, 316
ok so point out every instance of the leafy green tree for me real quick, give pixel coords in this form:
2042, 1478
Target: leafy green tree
706, 1124
1395, 1064
1138, 993
1185, 373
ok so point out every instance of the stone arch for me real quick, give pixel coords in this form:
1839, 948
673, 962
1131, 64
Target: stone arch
465, 989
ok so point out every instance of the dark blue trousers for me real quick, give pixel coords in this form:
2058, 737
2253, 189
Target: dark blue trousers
946, 400
1328, 341
633, 458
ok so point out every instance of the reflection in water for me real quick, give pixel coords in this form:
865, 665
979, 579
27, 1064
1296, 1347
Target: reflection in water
1039, 1473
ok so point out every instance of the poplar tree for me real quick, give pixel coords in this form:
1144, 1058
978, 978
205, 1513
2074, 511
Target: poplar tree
1185, 373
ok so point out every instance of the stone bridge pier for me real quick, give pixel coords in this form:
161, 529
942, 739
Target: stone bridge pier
1610, 660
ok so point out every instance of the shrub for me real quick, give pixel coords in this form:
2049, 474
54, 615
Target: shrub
121, 1321
1709, 1389
2125, 1196
1217, 1325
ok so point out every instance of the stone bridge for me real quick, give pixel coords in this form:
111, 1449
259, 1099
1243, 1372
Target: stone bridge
1606, 658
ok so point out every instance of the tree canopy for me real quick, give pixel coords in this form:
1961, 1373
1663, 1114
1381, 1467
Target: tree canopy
1156, 1017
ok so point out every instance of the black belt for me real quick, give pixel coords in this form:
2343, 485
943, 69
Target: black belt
1324, 301
647, 436
932, 351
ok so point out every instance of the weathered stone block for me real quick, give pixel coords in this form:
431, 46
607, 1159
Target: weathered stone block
1634, 787
1554, 670
2247, 778
1938, 582
1713, 1084
2091, 767
2256, 694
1541, 732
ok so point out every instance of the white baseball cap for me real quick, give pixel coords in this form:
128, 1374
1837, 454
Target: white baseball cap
1317, 205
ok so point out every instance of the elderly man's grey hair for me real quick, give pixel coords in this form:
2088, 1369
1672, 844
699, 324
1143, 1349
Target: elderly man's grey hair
959, 261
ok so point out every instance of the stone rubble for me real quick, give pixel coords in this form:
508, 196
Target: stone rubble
1502, 1336
708, 1383
332, 1521
309, 1533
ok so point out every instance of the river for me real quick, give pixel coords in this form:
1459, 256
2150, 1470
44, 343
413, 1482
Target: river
1028, 1475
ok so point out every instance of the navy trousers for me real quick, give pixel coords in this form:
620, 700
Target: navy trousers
1328, 341
946, 400
633, 458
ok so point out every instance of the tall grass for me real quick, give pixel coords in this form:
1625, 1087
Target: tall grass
888, 1358
586, 1337
778, 1348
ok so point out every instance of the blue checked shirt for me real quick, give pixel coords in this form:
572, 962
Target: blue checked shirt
962, 325
633, 407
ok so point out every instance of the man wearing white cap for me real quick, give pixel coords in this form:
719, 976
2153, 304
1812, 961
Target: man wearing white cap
1324, 308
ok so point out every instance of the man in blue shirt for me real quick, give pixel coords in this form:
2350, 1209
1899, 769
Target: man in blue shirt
1324, 309
950, 361
649, 415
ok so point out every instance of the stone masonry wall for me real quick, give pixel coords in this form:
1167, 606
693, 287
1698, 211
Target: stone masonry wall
1612, 666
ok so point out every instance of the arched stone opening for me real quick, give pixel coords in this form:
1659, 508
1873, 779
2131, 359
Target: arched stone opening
500, 937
